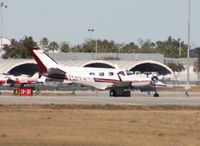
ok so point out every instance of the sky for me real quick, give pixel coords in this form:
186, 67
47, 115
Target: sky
122, 21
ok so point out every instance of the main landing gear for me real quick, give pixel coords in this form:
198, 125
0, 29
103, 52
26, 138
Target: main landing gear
119, 93
156, 93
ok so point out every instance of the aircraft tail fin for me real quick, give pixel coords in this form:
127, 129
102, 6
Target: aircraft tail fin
43, 60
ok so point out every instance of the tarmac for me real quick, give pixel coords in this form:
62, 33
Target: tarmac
102, 98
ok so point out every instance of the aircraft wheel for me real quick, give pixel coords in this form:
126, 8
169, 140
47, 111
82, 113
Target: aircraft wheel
74, 92
112, 92
126, 94
156, 95
187, 93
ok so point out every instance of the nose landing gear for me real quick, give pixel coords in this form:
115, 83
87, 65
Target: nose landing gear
156, 94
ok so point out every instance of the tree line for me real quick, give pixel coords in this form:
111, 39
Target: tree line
172, 48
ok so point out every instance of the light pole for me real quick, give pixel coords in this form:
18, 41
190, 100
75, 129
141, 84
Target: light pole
187, 87
179, 49
91, 30
2, 5
96, 44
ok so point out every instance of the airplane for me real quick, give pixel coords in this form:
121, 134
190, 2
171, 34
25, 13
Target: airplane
13, 80
118, 81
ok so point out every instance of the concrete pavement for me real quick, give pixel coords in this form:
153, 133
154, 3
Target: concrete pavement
102, 98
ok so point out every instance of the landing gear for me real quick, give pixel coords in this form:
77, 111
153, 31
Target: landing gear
37, 88
156, 94
119, 93
112, 93
74, 92
149, 92
187, 93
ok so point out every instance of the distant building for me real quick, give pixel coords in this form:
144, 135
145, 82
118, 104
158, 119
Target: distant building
108, 56
4, 41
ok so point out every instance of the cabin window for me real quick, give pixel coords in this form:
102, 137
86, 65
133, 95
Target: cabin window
101, 74
92, 74
111, 74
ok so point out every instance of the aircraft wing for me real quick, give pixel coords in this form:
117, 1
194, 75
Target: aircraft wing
122, 84
56, 73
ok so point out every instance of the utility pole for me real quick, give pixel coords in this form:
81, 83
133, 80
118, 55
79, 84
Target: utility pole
2, 5
96, 44
180, 49
187, 87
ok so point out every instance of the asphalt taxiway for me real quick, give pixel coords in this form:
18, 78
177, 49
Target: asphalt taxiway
102, 98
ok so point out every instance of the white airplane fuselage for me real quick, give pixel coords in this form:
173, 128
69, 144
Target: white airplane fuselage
20, 79
100, 78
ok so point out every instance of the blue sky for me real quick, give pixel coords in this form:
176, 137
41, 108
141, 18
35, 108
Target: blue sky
118, 20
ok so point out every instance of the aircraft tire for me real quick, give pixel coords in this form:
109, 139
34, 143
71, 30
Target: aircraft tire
156, 95
112, 93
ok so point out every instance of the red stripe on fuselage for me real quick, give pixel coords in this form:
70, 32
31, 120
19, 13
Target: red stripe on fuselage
3, 81
146, 81
105, 80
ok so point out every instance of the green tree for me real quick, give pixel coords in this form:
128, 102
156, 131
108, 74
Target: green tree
128, 48
107, 46
28, 42
64, 47
176, 68
44, 43
53, 46
170, 48
19, 49
15, 50
196, 66
147, 47
76, 48
102, 46
89, 46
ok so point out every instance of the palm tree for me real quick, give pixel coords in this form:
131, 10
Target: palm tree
64, 47
53, 46
44, 43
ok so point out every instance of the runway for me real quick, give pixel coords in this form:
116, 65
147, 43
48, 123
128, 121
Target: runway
102, 98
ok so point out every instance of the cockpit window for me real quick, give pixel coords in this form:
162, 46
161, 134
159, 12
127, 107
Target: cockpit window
101, 74
111, 74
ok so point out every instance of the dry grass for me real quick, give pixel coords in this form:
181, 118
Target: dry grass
180, 89
37, 125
